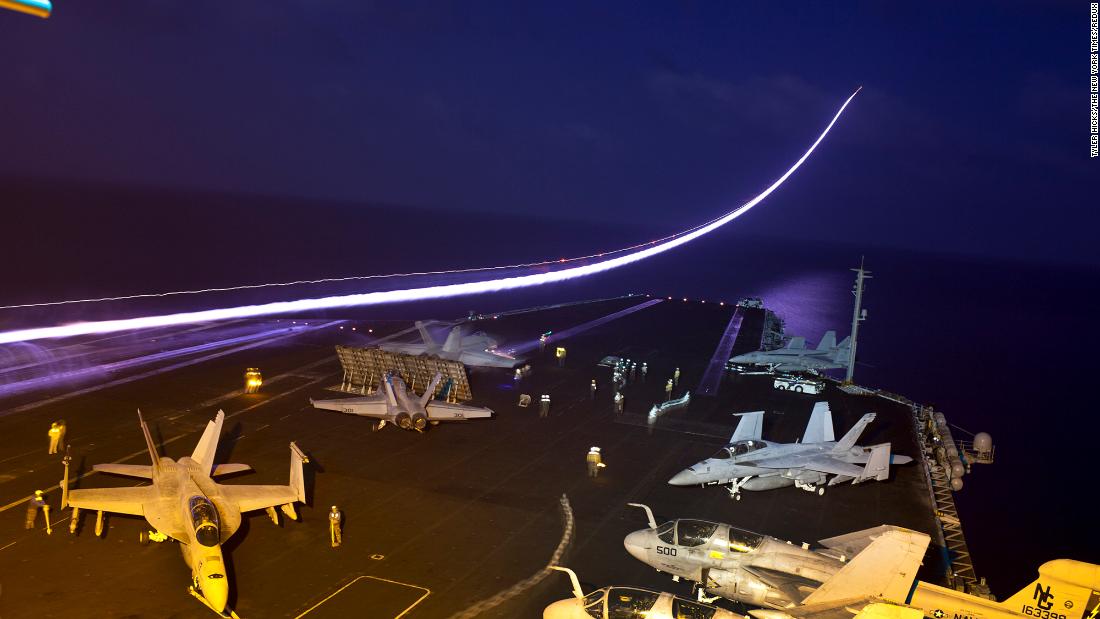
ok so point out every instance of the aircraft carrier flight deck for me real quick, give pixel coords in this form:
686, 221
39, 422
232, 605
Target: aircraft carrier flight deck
456, 521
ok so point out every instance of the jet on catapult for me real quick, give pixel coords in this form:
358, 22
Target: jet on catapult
475, 350
185, 504
749, 463
393, 403
849, 571
795, 357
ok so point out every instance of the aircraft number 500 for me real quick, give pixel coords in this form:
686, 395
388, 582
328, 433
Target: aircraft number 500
1041, 614
661, 550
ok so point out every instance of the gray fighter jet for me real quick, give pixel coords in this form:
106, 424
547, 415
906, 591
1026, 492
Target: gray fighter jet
845, 574
185, 504
476, 349
395, 404
796, 357
749, 463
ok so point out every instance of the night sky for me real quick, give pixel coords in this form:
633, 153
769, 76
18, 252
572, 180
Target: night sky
970, 136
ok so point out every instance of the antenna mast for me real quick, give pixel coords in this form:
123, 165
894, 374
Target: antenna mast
858, 315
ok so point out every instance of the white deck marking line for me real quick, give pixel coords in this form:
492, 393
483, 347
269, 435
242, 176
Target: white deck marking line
10, 545
426, 591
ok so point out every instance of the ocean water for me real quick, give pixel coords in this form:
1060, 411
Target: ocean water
1003, 347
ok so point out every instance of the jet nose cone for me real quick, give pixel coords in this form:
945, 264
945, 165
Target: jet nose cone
217, 594
637, 544
686, 477
564, 609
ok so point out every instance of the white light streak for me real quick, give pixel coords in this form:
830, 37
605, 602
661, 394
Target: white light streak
423, 293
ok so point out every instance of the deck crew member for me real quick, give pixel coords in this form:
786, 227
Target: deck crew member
618, 403
676, 377
668, 390
645, 368
594, 461
38, 501
544, 405
592, 389
55, 433
335, 522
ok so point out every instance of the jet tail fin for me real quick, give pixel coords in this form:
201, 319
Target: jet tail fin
884, 569
454, 340
828, 341
843, 351
297, 472
1068, 583
878, 464
153, 455
848, 441
208, 444
424, 335
430, 391
387, 385
820, 427
797, 343
749, 427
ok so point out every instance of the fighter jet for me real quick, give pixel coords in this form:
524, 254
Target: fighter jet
796, 357
849, 571
394, 404
1065, 589
614, 602
476, 349
185, 504
749, 463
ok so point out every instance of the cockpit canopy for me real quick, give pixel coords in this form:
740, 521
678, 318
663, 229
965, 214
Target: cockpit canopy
204, 518
687, 532
630, 603
739, 448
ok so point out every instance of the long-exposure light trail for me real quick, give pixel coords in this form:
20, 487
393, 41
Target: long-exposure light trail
424, 293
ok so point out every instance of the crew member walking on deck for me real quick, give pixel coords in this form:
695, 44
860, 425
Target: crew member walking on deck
668, 390
592, 389
676, 377
618, 403
335, 522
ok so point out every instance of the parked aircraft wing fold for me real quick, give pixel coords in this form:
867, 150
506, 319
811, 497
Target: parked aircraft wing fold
884, 569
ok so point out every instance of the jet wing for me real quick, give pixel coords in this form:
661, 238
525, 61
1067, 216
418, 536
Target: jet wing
143, 471
816, 462
250, 498
115, 500
445, 411
373, 406
859, 608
